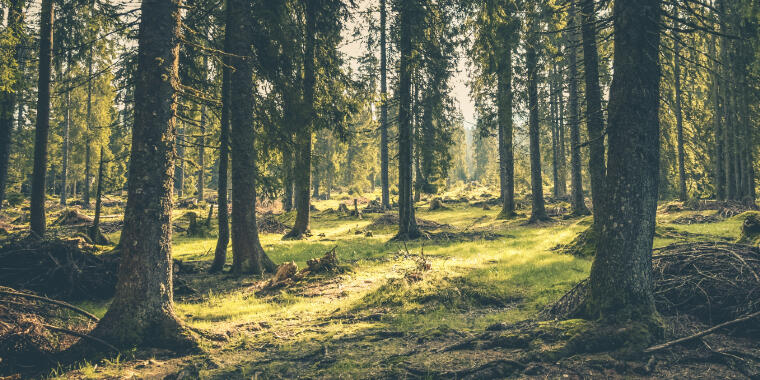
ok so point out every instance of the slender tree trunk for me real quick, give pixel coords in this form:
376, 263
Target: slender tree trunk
577, 200
407, 228
37, 201
223, 237
562, 140
66, 143
88, 133
202, 141
302, 175
247, 254
720, 174
594, 117
679, 116
95, 233
142, 311
554, 132
621, 275
383, 111
315, 183
538, 210
9, 99
287, 202
506, 155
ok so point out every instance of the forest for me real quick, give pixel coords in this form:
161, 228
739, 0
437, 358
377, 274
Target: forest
379, 189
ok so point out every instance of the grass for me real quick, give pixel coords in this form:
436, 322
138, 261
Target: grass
356, 324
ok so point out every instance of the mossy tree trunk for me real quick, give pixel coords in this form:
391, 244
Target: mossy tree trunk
142, 312
621, 275
506, 153
384, 160
37, 201
247, 254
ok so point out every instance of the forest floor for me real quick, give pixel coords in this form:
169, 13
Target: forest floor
430, 308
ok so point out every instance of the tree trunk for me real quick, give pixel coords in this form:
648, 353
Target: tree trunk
538, 210
247, 254
407, 228
142, 311
179, 174
223, 238
577, 199
562, 140
95, 234
594, 117
383, 111
553, 121
621, 275
287, 201
506, 155
302, 176
66, 143
720, 174
202, 140
679, 115
88, 133
37, 201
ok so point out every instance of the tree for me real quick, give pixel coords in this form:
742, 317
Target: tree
142, 311
385, 195
37, 201
8, 91
621, 275
594, 117
577, 200
222, 214
679, 113
407, 228
538, 209
247, 254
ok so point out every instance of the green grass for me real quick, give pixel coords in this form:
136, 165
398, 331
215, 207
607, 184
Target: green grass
471, 285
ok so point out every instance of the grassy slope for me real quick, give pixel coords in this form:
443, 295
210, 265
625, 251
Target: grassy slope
358, 323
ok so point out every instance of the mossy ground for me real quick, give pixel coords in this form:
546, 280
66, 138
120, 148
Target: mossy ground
372, 321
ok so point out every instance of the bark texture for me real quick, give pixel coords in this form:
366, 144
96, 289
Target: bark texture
621, 275
577, 199
407, 228
538, 209
37, 201
506, 154
9, 99
247, 254
142, 312
385, 195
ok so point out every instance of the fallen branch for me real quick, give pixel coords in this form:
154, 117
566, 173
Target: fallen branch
702, 333
52, 301
81, 335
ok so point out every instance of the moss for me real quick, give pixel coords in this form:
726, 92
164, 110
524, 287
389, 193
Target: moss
750, 230
625, 340
584, 244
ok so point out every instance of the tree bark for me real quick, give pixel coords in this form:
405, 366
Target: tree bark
247, 254
679, 115
66, 143
577, 201
202, 141
88, 133
383, 111
9, 99
223, 236
302, 176
179, 174
37, 201
720, 175
506, 154
538, 210
594, 117
407, 228
142, 311
621, 275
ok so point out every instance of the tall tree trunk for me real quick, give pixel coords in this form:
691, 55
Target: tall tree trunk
553, 121
407, 228
142, 311
562, 161
538, 210
720, 167
202, 141
287, 202
37, 201
594, 117
9, 99
95, 233
679, 115
222, 215
90, 129
621, 275
179, 174
247, 254
577, 200
506, 155
302, 175
66, 128
383, 111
